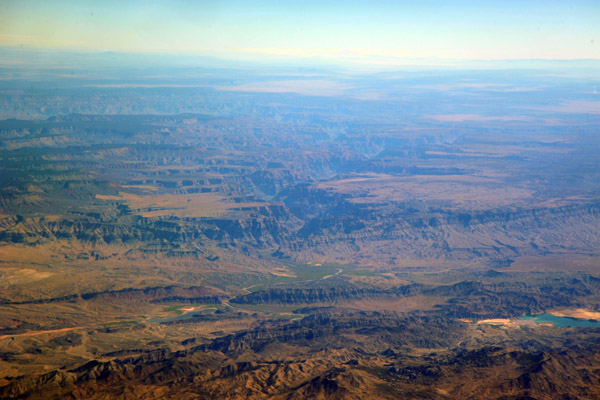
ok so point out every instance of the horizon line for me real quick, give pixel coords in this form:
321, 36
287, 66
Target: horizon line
264, 54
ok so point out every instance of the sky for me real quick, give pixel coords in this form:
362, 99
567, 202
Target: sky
354, 31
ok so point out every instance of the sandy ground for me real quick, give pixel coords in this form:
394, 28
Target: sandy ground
578, 313
506, 322
39, 332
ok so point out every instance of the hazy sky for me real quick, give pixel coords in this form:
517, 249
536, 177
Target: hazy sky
369, 31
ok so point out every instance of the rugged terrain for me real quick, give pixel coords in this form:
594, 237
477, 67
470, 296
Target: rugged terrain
391, 240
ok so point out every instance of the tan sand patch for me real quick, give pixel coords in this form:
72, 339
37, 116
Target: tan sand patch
578, 313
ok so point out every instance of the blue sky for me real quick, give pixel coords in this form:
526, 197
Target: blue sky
369, 32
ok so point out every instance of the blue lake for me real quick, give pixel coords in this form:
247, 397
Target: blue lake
562, 321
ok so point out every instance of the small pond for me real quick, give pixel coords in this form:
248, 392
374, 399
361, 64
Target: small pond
561, 321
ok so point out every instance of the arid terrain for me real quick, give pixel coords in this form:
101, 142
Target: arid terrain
331, 236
